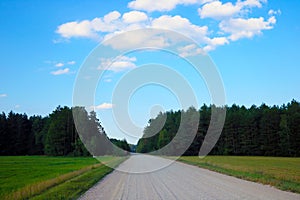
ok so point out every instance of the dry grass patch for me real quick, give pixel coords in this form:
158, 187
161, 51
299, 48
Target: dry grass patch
283, 173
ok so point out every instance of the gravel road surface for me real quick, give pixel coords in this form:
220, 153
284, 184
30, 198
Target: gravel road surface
135, 181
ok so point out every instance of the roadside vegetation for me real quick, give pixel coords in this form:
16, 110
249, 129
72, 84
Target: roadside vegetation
283, 173
23, 177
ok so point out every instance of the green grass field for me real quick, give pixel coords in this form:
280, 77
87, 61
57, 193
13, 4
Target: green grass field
283, 173
27, 176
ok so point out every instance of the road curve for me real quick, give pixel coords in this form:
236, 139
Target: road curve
177, 181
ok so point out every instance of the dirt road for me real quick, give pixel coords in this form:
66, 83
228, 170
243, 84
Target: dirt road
177, 181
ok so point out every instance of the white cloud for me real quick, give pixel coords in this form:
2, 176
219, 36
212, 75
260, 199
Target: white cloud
134, 16
110, 23
141, 37
103, 106
98, 25
60, 64
135, 20
214, 42
17, 106
181, 25
61, 71
234, 24
121, 63
219, 10
216, 9
271, 12
3, 95
219, 41
161, 5
156, 38
274, 12
77, 29
251, 3
112, 16
246, 28
71, 62
190, 50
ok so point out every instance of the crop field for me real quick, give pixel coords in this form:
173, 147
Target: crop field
283, 173
33, 176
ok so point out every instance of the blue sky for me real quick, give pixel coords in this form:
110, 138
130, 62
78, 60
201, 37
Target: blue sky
254, 44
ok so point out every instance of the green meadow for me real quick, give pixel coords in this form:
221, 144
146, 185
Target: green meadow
281, 172
23, 177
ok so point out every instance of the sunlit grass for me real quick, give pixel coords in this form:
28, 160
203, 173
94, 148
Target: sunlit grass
283, 173
74, 187
25, 176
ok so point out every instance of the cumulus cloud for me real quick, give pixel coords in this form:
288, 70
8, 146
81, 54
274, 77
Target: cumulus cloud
214, 42
121, 63
134, 16
61, 71
218, 41
161, 5
219, 10
60, 64
246, 28
77, 29
234, 23
89, 29
103, 106
135, 20
3, 95
141, 37
112, 16
181, 25
110, 23
190, 50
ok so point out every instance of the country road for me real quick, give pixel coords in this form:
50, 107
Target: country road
177, 181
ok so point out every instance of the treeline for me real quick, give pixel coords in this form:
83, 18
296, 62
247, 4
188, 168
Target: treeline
56, 134
256, 131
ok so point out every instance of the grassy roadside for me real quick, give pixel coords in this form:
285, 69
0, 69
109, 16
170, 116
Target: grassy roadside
75, 187
283, 173
28, 176
16, 172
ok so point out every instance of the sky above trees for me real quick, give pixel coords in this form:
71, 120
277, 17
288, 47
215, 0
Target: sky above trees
253, 43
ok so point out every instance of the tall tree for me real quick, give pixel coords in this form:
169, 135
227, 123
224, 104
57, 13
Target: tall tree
61, 132
293, 122
4, 135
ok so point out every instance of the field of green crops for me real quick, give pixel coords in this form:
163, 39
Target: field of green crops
283, 173
28, 176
